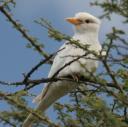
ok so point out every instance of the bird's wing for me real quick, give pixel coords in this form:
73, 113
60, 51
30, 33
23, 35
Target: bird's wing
57, 64
58, 60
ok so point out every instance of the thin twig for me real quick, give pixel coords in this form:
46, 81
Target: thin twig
35, 113
24, 33
112, 76
7, 121
27, 76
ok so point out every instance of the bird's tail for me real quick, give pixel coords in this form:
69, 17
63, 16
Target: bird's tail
44, 100
31, 117
37, 99
47, 97
43, 104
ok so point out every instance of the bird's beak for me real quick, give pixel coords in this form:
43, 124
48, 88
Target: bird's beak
73, 20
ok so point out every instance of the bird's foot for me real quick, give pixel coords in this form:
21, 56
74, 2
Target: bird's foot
75, 77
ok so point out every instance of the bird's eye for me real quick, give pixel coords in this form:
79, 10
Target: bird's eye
87, 21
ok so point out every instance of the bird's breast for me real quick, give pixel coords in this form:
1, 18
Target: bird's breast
77, 60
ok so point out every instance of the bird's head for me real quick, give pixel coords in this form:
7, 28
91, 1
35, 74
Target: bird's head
85, 22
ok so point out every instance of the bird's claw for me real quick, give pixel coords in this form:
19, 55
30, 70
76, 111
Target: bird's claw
75, 77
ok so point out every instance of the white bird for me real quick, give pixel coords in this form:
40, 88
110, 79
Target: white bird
86, 31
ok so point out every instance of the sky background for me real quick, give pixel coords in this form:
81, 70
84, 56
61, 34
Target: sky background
16, 59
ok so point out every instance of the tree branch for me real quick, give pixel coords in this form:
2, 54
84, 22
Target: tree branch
23, 31
35, 113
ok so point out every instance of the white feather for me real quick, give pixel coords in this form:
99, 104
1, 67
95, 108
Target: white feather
86, 34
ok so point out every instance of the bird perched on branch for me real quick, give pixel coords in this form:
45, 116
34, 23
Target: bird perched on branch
71, 61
